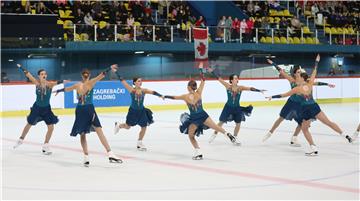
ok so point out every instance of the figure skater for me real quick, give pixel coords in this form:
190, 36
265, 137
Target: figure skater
292, 106
232, 110
137, 114
41, 109
310, 110
198, 120
86, 119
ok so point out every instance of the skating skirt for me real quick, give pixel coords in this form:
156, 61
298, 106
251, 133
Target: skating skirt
291, 110
38, 114
142, 117
198, 119
309, 112
236, 114
86, 120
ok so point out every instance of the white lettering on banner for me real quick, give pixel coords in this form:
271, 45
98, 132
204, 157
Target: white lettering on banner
104, 97
109, 91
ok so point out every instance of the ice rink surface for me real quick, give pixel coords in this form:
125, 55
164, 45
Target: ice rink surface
255, 170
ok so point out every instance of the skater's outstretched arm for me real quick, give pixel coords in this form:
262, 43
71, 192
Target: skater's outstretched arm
289, 93
243, 88
123, 81
281, 71
66, 89
324, 84
216, 73
28, 75
201, 87
102, 74
182, 97
147, 91
54, 83
313, 75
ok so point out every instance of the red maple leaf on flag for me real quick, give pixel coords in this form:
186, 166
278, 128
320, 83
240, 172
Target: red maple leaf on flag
201, 48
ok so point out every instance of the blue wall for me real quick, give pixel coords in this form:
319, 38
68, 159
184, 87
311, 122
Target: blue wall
177, 66
174, 61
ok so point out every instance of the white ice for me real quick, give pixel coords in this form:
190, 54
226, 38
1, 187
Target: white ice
255, 170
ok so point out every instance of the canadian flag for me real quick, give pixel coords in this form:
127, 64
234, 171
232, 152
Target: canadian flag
201, 46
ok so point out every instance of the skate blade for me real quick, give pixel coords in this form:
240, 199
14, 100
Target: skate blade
141, 149
312, 154
295, 145
86, 164
198, 157
46, 152
115, 160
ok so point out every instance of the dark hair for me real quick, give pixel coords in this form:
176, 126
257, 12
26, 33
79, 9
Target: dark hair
294, 69
135, 79
231, 77
41, 70
85, 70
305, 76
192, 84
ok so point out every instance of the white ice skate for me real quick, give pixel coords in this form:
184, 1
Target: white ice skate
267, 136
140, 146
294, 142
197, 155
18, 143
86, 162
233, 139
113, 158
313, 151
46, 149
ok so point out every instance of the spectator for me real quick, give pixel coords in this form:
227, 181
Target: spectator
106, 34
257, 8
283, 24
148, 19
221, 27
250, 9
96, 9
79, 17
200, 22
130, 20
41, 9
164, 33
112, 12
235, 27
27, 7
314, 9
265, 26
89, 23
147, 9
119, 18
243, 26
99, 17
228, 24
249, 31
137, 10
88, 20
